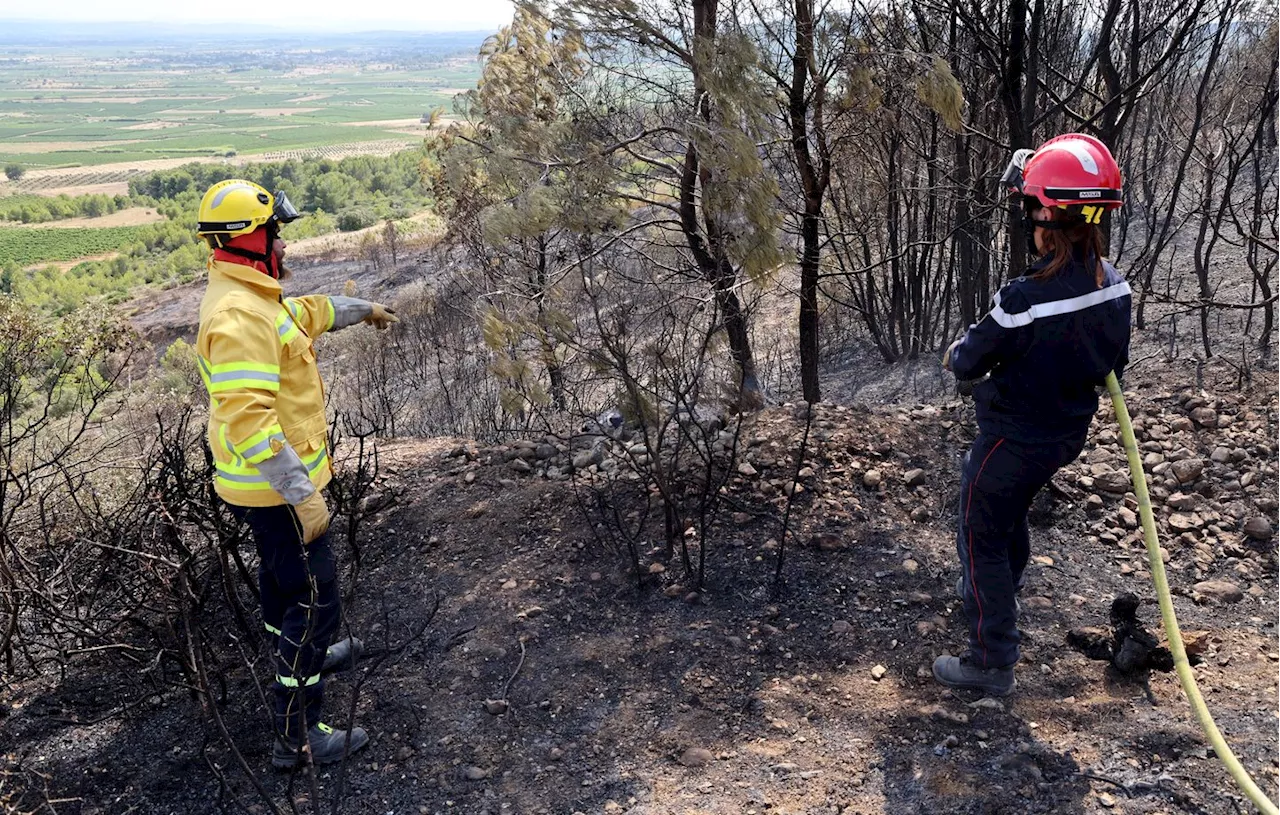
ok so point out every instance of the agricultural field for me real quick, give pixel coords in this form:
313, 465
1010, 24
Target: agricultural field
31, 246
113, 179
121, 106
84, 113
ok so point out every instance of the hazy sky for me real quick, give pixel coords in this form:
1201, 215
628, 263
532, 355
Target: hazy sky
351, 15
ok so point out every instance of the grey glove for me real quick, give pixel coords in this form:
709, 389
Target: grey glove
349, 311
288, 476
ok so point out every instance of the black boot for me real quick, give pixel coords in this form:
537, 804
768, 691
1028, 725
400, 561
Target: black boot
959, 672
342, 655
325, 744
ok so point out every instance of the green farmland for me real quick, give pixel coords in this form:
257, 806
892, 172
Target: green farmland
114, 140
30, 246
65, 107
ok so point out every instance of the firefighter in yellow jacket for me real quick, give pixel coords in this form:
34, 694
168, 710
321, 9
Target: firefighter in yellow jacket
267, 430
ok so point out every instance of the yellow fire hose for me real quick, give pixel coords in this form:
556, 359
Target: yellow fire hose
1180, 663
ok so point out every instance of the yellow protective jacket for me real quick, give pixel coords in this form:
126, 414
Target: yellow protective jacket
256, 360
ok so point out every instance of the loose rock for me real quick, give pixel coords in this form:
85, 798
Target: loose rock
696, 757
828, 542
1184, 502
988, 703
1259, 528
586, 458
1205, 417
1188, 470
1114, 482
1222, 591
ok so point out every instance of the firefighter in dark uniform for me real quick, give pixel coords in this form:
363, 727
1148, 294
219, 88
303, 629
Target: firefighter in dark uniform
1045, 348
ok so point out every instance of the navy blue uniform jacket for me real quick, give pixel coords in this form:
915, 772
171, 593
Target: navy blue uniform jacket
1048, 346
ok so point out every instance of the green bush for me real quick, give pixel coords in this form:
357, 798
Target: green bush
356, 218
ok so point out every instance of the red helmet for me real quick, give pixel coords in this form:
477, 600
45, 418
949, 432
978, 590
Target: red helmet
1072, 170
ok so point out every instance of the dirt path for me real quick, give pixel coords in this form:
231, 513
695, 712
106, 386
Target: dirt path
67, 265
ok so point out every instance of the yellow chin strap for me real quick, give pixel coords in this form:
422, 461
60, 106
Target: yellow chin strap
1092, 214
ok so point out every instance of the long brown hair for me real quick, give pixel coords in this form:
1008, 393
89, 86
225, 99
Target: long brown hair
1061, 243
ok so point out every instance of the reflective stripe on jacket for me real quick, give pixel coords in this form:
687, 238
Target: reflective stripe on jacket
256, 360
1048, 345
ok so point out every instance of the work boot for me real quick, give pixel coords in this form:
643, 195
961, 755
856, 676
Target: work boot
959, 672
342, 655
325, 744
1017, 604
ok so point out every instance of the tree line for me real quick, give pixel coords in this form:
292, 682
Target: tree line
850, 152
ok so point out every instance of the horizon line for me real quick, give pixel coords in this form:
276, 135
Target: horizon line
339, 27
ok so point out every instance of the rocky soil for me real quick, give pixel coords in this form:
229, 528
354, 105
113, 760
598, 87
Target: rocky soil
547, 682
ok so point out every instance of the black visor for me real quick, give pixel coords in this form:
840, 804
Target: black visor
1012, 178
284, 210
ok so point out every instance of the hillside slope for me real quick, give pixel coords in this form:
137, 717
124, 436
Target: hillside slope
665, 699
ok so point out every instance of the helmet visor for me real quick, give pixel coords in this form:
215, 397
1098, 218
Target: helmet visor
1012, 178
284, 210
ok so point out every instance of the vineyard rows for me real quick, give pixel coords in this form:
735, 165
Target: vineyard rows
55, 180
31, 246
381, 147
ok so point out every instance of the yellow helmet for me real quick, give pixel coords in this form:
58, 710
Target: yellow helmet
237, 207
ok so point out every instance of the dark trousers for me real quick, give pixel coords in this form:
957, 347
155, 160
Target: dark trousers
300, 605
999, 480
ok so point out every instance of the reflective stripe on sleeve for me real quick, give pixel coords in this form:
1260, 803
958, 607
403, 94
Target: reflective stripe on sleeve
240, 478
331, 313
1056, 307
316, 460
258, 446
271, 629
286, 328
248, 477
228, 446
240, 374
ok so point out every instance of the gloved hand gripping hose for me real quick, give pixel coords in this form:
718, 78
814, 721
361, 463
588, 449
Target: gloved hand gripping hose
1180, 663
